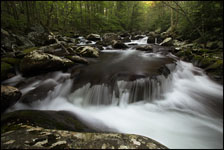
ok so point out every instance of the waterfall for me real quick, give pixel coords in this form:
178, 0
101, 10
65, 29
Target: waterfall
181, 110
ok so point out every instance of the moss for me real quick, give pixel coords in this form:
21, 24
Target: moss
26, 51
217, 65
5, 70
11, 60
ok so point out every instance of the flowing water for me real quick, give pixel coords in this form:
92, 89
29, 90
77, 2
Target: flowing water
124, 90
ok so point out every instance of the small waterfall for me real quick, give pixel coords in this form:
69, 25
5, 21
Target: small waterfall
156, 40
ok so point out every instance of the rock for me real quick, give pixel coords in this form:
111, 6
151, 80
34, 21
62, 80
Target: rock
37, 62
61, 120
167, 42
7, 71
118, 45
24, 42
30, 137
9, 96
109, 37
158, 30
7, 41
125, 39
125, 34
11, 60
151, 40
87, 51
93, 37
38, 38
21, 54
137, 37
39, 93
212, 45
78, 59
145, 48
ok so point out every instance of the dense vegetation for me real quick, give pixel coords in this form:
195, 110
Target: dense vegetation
188, 19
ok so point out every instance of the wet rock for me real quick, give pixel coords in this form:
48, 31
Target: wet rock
39, 93
151, 40
118, 45
125, 34
31, 137
9, 96
61, 120
167, 42
37, 62
87, 51
93, 37
109, 37
7, 71
137, 37
78, 59
145, 48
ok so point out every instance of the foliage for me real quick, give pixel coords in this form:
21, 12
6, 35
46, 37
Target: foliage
190, 19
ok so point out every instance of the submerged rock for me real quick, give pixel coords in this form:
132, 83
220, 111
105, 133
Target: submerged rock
31, 137
87, 51
9, 96
37, 62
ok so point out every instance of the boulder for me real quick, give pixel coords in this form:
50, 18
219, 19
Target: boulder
31, 137
38, 38
7, 41
109, 37
61, 120
118, 45
78, 59
145, 48
9, 96
87, 51
125, 34
151, 40
137, 37
37, 62
7, 71
167, 42
93, 37
39, 93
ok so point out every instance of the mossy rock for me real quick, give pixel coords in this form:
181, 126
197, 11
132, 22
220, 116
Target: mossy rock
7, 70
31, 137
62, 120
24, 52
11, 60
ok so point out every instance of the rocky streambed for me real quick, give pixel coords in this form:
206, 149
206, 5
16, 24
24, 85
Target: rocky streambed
96, 92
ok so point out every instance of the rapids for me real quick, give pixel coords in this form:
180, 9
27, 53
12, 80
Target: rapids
123, 91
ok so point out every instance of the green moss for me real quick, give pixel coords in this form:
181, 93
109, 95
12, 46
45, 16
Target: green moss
26, 51
5, 69
217, 65
10, 60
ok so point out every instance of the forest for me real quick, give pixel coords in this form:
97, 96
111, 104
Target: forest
111, 74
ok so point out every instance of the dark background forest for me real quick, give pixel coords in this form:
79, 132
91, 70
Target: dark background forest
187, 19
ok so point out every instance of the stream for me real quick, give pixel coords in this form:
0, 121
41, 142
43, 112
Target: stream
130, 91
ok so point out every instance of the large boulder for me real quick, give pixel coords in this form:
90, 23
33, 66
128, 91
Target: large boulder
31, 137
9, 96
37, 62
109, 37
151, 40
93, 37
87, 51
118, 44
137, 37
62, 120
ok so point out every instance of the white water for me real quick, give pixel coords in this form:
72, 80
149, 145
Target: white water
184, 115
140, 41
